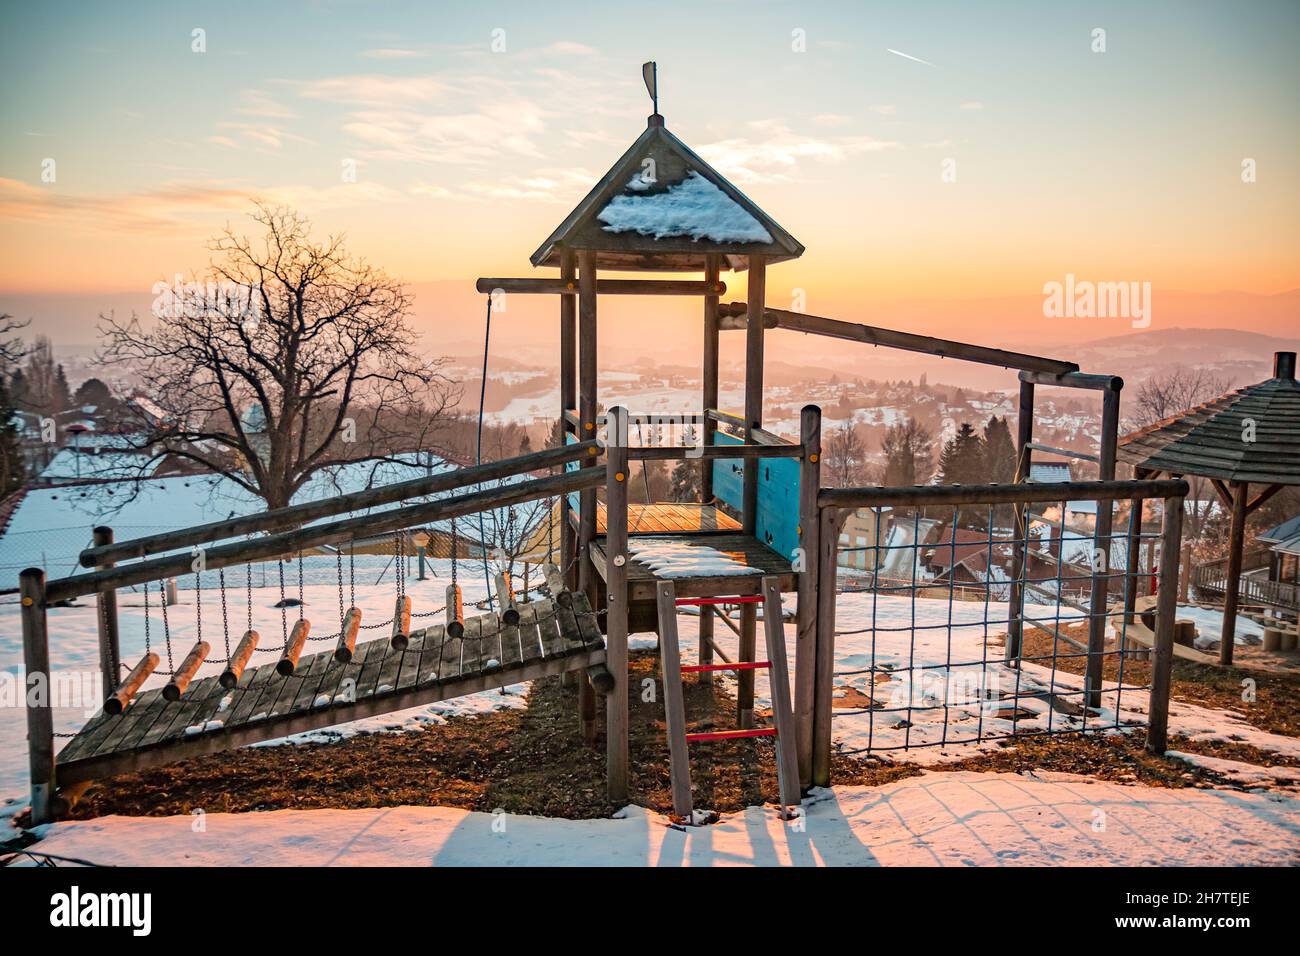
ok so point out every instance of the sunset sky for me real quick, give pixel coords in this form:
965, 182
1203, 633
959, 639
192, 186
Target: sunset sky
1122, 165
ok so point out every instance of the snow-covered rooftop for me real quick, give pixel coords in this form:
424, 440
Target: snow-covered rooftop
694, 207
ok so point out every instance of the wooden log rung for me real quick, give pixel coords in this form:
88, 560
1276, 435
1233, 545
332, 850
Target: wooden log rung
348, 635
555, 583
509, 612
229, 678
401, 624
455, 612
288, 661
126, 690
185, 673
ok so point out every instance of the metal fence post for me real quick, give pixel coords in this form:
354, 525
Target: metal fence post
1162, 662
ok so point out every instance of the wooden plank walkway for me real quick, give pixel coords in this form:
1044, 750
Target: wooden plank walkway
672, 518
322, 692
744, 548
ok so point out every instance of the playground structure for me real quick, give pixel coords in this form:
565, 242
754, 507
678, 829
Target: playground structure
764, 526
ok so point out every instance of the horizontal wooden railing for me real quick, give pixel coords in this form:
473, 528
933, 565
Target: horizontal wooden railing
282, 518
311, 536
923, 495
1251, 590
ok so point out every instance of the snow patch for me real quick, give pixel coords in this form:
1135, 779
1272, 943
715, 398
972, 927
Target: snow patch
694, 207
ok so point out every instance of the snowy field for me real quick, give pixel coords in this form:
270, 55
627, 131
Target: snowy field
937, 819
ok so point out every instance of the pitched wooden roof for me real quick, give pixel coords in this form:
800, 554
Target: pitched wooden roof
674, 164
1210, 440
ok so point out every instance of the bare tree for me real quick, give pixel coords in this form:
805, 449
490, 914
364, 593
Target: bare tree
845, 457
11, 344
1174, 392
289, 357
1171, 393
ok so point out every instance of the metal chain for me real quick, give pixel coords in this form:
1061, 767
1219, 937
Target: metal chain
225, 611
167, 631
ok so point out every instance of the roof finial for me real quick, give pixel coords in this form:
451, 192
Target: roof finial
650, 73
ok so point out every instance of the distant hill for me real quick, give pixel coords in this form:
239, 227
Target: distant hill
1242, 357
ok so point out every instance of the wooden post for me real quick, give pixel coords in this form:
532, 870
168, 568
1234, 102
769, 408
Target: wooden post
616, 704
40, 712
805, 652
1162, 663
568, 401
828, 546
1236, 542
778, 677
710, 396
1024, 457
753, 382
745, 654
706, 643
586, 708
1099, 602
587, 413
674, 706
110, 660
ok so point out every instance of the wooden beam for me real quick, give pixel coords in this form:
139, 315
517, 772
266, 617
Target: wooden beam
1232, 586
616, 618
1262, 497
295, 515
568, 399
567, 288
273, 546
710, 386
947, 495
710, 452
110, 667
828, 547
778, 678
674, 706
753, 385
40, 713
1166, 607
908, 341
805, 653
586, 411
1111, 383
1102, 543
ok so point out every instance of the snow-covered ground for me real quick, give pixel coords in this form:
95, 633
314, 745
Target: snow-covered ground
937, 819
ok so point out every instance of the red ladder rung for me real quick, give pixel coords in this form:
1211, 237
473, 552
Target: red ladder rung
700, 601
742, 666
731, 734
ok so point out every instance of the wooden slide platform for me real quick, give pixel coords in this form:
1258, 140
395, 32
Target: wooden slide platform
549, 639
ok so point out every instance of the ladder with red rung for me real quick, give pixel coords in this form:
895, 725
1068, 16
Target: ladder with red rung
787, 768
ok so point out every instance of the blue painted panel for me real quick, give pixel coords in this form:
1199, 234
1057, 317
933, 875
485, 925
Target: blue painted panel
777, 523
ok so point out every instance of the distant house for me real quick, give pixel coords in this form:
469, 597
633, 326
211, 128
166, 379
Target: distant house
1283, 543
1049, 472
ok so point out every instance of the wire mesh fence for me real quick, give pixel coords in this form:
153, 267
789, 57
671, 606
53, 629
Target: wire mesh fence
973, 622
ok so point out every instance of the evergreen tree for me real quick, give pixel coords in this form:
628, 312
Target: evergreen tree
906, 447
999, 452
962, 463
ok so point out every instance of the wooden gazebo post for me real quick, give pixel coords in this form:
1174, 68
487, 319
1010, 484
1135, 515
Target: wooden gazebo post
568, 403
712, 272
1238, 491
749, 517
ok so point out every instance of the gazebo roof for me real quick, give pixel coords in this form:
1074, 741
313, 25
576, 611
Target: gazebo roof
662, 207
1211, 440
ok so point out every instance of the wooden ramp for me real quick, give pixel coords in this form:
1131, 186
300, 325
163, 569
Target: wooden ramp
671, 518
549, 639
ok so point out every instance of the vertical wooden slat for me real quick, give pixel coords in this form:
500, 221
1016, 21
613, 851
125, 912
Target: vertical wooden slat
706, 643
40, 713
753, 381
674, 706
110, 658
778, 679
616, 704
810, 436
1162, 663
1024, 455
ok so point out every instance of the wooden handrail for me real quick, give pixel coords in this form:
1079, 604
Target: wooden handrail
674, 452
277, 545
282, 518
924, 495
542, 286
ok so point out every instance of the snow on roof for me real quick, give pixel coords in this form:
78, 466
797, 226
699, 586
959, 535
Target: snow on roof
88, 463
694, 207
1049, 471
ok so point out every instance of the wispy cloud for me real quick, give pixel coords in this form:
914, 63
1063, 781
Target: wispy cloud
391, 53
563, 186
973, 106
775, 153
261, 104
